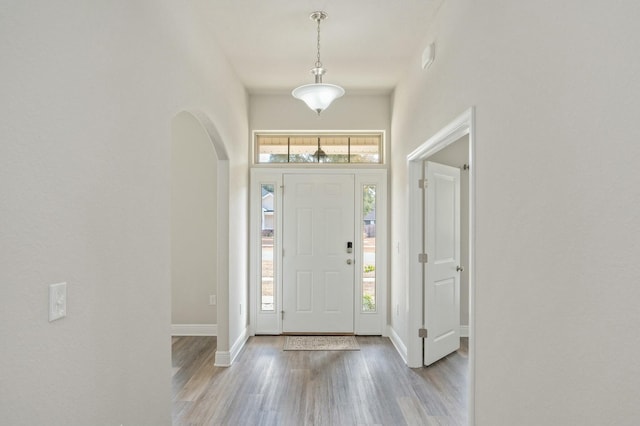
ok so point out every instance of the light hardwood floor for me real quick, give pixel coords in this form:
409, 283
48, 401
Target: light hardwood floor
268, 386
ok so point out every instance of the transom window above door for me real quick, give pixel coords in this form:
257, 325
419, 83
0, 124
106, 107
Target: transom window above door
338, 148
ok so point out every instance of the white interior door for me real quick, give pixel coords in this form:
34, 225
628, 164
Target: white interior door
318, 272
442, 273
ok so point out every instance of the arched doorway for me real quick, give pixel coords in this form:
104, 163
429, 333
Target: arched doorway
199, 230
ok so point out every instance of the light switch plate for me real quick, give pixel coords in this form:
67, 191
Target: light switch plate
57, 301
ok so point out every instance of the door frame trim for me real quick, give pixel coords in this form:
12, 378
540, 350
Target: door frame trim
364, 323
462, 125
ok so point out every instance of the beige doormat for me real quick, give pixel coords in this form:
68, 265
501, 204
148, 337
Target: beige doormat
321, 343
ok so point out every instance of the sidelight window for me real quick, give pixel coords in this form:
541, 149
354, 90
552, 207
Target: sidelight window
267, 247
368, 248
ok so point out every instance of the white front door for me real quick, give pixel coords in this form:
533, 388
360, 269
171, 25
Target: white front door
442, 274
318, 272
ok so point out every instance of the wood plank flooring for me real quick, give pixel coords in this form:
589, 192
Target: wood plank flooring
269, 386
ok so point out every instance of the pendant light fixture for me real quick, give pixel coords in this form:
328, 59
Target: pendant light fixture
318, 96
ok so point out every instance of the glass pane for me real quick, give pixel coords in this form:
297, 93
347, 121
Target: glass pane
335, 148
303, 149
365, 149
324, 148
268, 228
273, 149
369, 248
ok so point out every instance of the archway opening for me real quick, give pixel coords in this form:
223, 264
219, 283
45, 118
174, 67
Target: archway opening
199, 231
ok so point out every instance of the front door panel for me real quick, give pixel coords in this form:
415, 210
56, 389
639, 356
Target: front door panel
318, 281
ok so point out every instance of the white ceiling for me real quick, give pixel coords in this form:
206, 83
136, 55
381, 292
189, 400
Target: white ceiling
366, 45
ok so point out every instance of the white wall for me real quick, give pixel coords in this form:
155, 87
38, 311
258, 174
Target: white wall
193, 222
238, 293
87, 94
351, 112
555, 90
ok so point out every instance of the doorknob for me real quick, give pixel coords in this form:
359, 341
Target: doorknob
459, 268
349, 261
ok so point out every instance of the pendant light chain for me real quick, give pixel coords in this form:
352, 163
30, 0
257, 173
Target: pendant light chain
318, 63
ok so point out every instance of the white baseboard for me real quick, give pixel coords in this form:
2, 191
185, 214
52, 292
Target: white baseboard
226, 358
194, 329
397, 343
223, 359
239, 343
464, 331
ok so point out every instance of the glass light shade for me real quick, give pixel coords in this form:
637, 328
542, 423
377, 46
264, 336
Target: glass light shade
318, 96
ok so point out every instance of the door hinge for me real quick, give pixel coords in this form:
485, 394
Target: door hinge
423, 183
422, 333
282, 251
282, 313
423, 258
